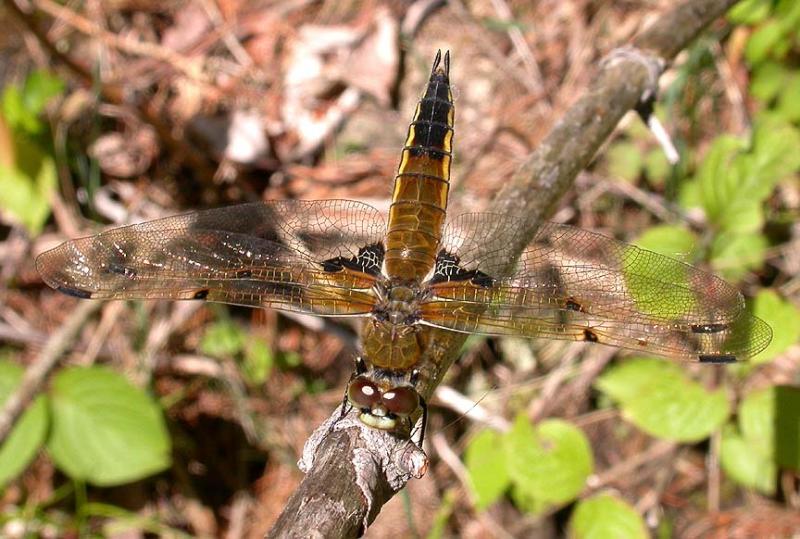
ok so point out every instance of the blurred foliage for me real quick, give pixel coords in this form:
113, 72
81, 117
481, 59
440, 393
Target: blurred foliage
775, 37
27, 168
29, 431
605, 516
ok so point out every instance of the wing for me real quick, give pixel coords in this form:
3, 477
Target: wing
319, 257
574, 284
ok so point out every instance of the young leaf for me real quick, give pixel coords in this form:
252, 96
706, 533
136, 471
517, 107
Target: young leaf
28, 434
747, 455
258, 361
671, 240
788, 104
787, 427
657, 397
223, 339
605, 516
749, 11
733, 255
27, 199
105, 431
548, 463
486, 465
22, 106
764, 41
733, 184
625, 161
783, 317
768, 80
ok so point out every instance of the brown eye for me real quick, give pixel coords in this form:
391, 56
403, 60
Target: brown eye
401, 401
362, 393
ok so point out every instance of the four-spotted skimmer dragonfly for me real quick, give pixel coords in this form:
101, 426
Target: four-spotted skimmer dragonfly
415, 271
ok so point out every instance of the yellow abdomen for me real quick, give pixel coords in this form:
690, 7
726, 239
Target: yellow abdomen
419, 198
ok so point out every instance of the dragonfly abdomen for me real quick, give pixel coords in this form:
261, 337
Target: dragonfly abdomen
419, 198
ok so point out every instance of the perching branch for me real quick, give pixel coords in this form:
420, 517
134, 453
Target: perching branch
352, 469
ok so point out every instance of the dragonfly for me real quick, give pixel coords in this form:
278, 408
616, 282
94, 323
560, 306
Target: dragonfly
414, 271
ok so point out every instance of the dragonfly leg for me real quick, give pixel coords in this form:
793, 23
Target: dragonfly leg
424, 423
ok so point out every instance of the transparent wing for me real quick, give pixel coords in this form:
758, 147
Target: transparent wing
318, 257
574, 284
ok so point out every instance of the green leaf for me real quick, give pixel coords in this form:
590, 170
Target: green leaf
657, 397
40, 87
768, 81
547, 464
747, 454
223, 339
788, 103
750, 11
674, 241
783, 317
105, 431
28, 434
486, 466
763, 41
711, 175
605, 516
787, 427
733, 184
656, 166
22, 106
258, 361
774, 155
624, 161
15, 113
27, 199
734, 255
744, 465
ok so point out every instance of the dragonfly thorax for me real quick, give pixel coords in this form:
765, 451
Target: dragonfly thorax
392, 337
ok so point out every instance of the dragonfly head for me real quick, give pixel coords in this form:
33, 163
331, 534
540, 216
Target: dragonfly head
380, 405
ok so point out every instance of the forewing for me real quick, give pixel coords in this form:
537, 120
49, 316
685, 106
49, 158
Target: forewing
574, 284
319, 257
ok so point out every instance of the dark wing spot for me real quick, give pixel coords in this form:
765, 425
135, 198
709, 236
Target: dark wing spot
481, 279
75, 292
447, 268
368, 260
590, 336
709, 328
716, 358
333, 265
201, 294
120, 269
573, 305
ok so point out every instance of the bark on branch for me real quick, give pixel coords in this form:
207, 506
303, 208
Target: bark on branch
352, 470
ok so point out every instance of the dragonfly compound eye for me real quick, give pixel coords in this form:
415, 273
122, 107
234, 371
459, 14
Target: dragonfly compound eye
401, 401
362, 393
